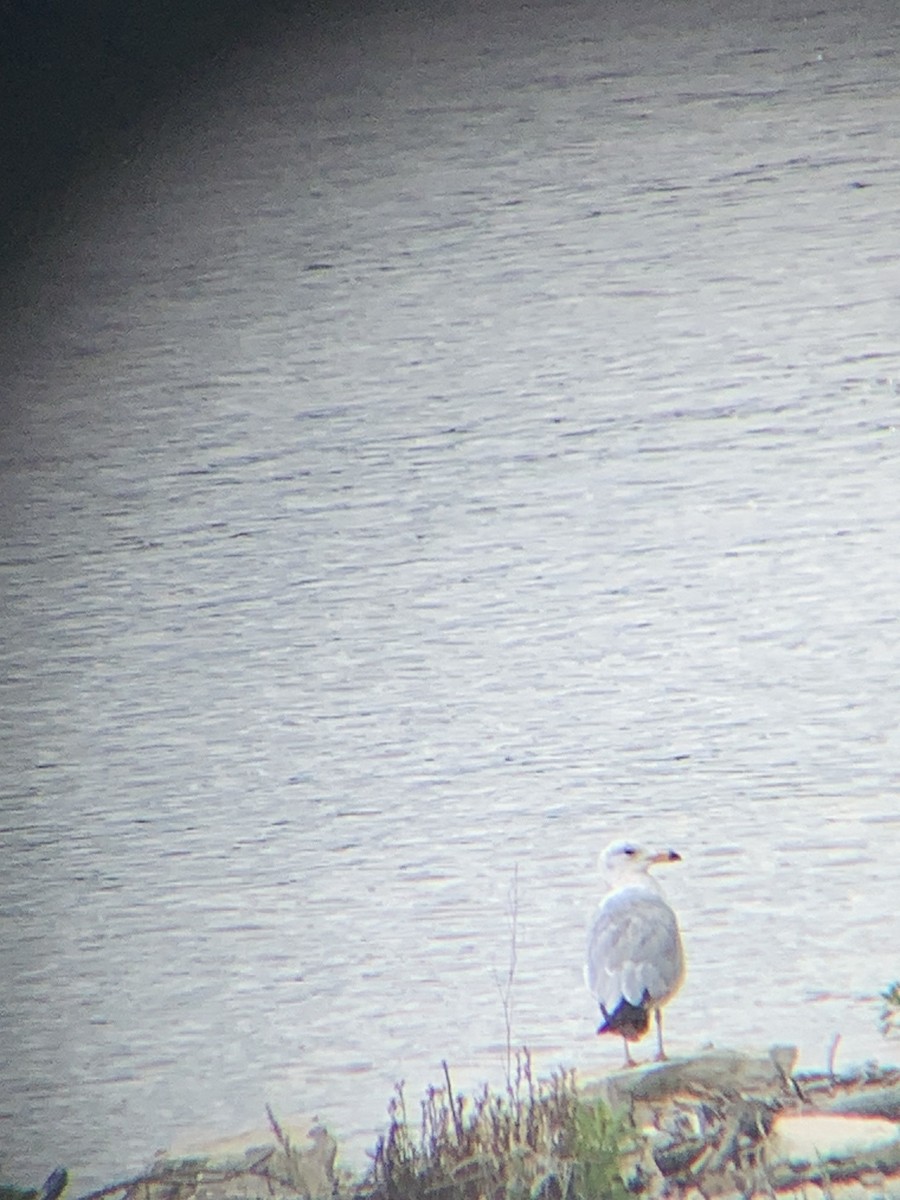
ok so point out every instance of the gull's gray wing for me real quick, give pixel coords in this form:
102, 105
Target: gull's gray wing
634, 948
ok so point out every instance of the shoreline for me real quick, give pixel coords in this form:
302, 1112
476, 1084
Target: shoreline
716, 1124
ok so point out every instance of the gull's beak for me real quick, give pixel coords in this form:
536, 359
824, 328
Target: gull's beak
665, 856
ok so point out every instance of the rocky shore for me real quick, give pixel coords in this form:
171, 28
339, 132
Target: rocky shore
717, 1125
731, 1125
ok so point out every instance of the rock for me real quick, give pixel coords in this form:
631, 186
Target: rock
243, 1168
311, 1171
870, 1102
721, 1072
811, 1138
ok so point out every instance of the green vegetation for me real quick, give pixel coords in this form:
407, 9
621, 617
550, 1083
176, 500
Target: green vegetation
890, 1012
601, 1138
538, 1141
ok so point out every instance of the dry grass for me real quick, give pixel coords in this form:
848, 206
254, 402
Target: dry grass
536, 1141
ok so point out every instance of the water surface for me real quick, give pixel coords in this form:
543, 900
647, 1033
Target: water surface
456, 441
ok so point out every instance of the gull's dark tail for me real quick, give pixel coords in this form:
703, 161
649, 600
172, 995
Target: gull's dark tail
630, 1021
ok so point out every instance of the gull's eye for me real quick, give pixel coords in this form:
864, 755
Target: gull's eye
630, 851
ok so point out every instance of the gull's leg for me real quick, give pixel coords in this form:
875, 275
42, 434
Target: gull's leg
660, 1053
629, 1061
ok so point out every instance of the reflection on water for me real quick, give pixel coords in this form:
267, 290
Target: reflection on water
423, 467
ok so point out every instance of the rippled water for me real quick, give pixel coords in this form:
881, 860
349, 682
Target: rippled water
458, 440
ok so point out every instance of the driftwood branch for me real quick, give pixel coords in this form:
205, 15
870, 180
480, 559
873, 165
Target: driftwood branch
884, 1161
183, 1173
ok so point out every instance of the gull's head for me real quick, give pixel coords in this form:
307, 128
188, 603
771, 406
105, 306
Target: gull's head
624, 859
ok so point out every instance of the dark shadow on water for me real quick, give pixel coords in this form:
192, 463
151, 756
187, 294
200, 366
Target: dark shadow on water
78, 79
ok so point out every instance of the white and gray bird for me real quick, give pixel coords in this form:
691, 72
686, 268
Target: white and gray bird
635, 962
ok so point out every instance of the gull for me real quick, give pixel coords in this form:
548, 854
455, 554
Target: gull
635, 963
